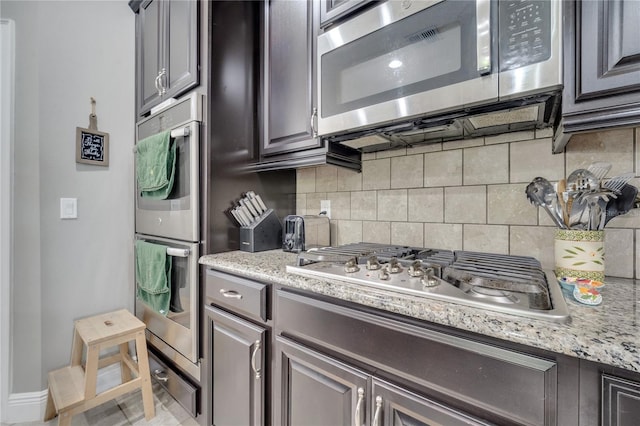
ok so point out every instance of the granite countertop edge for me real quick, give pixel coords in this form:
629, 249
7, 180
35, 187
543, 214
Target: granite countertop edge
608, 333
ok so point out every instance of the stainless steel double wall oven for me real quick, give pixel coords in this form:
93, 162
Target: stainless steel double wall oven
174, 222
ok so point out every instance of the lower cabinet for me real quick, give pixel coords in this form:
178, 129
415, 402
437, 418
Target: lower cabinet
315, 389
237, 375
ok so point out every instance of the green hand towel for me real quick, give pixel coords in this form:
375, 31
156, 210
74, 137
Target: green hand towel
153, 276
156, 165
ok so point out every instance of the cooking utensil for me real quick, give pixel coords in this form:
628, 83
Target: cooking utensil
582, 180
621, 205
561, 189
541, 193
599, 169
616, 183
596, 201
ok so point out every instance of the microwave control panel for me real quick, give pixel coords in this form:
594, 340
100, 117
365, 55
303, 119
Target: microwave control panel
525, 32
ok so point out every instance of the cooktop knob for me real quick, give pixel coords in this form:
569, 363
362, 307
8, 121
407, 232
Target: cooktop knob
415, 270
373, 264
384, 274
351, 265
429, 280
393, 266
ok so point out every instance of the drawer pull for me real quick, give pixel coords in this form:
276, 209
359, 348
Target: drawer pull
358, 416
376, 416
232, 294
253, 360
160, 375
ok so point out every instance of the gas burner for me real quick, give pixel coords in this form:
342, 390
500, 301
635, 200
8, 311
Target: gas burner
509, 284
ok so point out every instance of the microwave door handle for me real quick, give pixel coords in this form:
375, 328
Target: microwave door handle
483, 36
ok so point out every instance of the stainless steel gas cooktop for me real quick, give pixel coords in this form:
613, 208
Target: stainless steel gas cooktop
510, 284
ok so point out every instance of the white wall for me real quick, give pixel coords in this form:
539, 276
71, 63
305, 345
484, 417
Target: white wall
67, 52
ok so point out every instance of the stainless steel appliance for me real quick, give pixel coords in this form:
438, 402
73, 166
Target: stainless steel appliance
305, 232
174, 338
510, 284
409, 71
178, 215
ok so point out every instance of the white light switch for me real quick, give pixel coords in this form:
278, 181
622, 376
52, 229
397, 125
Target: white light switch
68, 208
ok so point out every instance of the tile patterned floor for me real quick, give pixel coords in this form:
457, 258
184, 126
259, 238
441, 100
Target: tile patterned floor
127, 410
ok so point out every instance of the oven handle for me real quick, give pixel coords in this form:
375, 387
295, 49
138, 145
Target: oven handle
483, 36
175, 133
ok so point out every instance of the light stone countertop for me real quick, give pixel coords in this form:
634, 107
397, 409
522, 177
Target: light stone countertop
608, 333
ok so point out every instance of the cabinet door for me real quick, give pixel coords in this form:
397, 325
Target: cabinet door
394, 406
609, 48
181, 52
149, 59
315, 390
289, 76
620, 401
237, 376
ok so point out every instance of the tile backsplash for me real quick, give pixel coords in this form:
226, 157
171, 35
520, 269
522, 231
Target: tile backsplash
469, 195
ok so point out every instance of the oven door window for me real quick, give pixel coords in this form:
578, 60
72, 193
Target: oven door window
433, 48
179, 198
180, 304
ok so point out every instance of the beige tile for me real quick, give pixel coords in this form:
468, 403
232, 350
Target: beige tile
376, 232
619, 253
363, 205
340, 205
486, 238
407, 233
628, 220
397, 152
486, 164
637, 257
535, 241
306, 180
612, 146
465, 204
443, 168
366, 156
445, 236
534, 158
508, 205
376, 174
407, 171
349, 231
326, 179
349, 180
510, 137
637, 161
463, 143
424, 148
392, 205
313, 202
547, 132
426, 205
301, 204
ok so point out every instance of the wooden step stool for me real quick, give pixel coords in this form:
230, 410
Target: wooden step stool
72, 389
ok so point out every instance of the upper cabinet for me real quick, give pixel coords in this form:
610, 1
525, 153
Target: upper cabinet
601, 65
289, 95
166, 50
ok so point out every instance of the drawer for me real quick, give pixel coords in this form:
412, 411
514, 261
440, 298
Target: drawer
181, 389
237, 294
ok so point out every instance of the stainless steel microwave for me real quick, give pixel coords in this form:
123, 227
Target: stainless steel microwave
415, 69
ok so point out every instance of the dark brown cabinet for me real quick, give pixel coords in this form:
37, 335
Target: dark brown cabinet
237, 363
166, 50
289, 94
601, 66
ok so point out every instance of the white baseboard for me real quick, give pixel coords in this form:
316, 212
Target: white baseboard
30, 406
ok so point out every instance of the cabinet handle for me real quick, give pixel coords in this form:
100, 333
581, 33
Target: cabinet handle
232, 294
376, 416
314, 131
160, 375
358, 416
157, 84
257, 371
163, 73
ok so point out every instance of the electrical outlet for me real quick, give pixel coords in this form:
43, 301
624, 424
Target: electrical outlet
325, 206
68, 208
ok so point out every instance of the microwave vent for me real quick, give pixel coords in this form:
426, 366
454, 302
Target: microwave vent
427, 34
